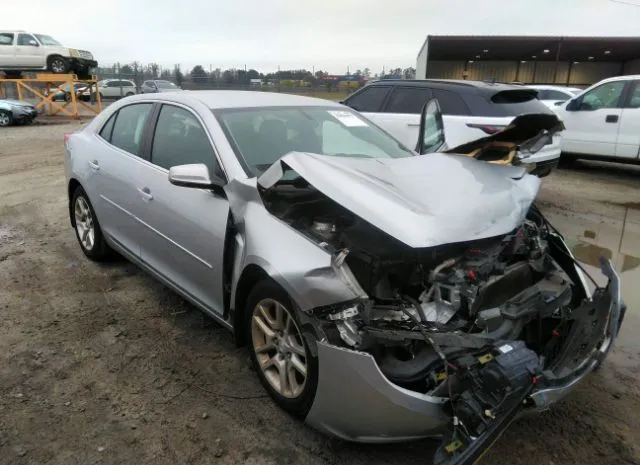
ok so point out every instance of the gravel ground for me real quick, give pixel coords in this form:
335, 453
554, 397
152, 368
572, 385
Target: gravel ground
100, 364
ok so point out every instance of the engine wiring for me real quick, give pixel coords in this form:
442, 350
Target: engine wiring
548, 224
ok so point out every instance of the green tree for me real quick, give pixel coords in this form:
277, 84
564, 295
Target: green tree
179, 77
198, 75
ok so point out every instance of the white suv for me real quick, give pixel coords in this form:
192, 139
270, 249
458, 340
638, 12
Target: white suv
471, 110
23, 51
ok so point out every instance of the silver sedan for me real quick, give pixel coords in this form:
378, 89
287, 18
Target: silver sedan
383, 295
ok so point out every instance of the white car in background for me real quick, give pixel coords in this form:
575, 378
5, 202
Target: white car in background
471, 110
603, 122
112, 89
555, 95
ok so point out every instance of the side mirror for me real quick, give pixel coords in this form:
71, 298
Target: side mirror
195, 176
34, 43
431, 134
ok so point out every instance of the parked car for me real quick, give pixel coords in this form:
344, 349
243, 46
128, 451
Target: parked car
16, 112
471, 110
25, 51
158, 85
555, 95
63, 91
112, 89
603, 121
430, 283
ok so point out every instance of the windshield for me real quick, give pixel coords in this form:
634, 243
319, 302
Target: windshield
47, 40
261, 136
165, 85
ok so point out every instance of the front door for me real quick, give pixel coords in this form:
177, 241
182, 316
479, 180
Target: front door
118, 167
184, 228
592, 128
628, 145
28, 53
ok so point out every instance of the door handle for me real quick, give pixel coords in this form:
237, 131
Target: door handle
413, 125
145, 193
611, 119
94, 165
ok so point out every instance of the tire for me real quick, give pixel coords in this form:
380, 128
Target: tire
57, 65
128, 94
6, 118
13, 74
85, 222
297, 396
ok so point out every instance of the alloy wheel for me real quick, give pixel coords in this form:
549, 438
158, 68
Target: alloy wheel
5, 119
84, 223
280, 352
58, 66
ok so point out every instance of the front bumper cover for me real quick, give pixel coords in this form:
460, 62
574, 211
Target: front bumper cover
354, 401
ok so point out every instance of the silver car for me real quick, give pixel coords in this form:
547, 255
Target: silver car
383, 295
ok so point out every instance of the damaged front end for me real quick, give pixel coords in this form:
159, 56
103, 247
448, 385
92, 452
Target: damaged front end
451, 340
525, 136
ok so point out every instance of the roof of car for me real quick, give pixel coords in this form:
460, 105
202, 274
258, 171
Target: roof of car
219, 99
460, 85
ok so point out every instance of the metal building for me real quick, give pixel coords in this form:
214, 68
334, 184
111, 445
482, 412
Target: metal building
575, 61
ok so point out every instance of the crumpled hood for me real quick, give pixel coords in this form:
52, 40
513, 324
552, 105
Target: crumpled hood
423, 201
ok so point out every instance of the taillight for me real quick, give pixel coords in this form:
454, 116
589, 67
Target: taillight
486, 128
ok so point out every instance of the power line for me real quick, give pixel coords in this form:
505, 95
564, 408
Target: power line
623, 2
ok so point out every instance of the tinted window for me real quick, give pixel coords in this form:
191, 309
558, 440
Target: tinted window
6, 38
450, 102
106, 130
369, 99
604, 96
542, 94
408, 100
129, 127
556, 95
505, 103
127, 84
180, 139
634, 96
23, 39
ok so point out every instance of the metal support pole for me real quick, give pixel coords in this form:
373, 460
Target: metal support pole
555, 71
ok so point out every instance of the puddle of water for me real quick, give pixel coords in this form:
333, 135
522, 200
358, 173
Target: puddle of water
589, 234
590, 254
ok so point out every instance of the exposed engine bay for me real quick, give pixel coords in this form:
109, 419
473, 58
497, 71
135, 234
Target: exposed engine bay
477, 322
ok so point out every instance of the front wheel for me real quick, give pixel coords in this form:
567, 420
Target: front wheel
280, 354
87, 227
58, 65
6, 118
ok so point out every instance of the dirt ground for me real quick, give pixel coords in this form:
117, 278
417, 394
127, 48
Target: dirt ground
103, 365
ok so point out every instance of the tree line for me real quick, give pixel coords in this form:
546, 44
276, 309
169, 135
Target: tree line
199, 75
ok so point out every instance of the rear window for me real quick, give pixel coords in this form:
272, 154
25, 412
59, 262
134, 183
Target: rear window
506, 103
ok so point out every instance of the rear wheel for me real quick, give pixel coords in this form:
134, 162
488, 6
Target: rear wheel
87, 227
5, 118
129, 94
280, 354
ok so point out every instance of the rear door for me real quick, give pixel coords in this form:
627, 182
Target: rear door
117, 163
401, 113
184, 229
7, 50
28, 53
628, 144
592, 127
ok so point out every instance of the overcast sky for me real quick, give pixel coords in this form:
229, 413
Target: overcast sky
325, 34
